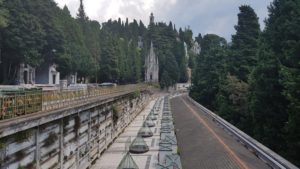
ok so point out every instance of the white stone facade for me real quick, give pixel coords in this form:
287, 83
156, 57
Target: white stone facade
26, 74
186, 51
196, 48
151, 66
47, 74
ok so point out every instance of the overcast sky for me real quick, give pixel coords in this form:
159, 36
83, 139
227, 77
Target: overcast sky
203, 16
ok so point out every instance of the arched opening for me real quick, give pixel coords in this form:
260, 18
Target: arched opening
25, 77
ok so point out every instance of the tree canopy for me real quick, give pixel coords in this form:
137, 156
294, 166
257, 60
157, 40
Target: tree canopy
40, 33
254, 81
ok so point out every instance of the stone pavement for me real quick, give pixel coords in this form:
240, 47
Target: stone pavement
114, 154
162, 145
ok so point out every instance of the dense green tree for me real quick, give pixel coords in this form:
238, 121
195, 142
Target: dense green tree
123, 64
181, 60
232, 102
32, 36
170, 74
188, 37
92, 41
268, 106
75, 47
136, 64
172, 68
23, 39
199, 38
283, 35
81, 15
165, 81
109, 71
3, 24
41, 33
257, 89
3, 15
47, 13
130, 58
244, 44
205, 80
91, 36
142, 29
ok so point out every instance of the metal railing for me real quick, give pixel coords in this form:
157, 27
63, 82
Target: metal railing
22, 102
271, 158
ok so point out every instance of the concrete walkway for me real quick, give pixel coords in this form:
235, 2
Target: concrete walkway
114, 154
204, 145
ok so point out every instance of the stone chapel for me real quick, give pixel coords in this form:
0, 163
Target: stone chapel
151, 66
151, 62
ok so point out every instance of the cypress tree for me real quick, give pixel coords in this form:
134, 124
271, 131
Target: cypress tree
232, 100
199, 38
283, 35
244, 43
3, 15
205, 79
109, 71
267, 105
81, 13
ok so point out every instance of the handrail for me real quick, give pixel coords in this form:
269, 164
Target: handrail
16, 104
271, 158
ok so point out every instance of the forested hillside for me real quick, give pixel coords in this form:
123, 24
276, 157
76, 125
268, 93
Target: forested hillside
254, 81
39, 32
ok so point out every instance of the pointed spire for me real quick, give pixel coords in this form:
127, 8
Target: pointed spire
152, 54
151, 18
151, 66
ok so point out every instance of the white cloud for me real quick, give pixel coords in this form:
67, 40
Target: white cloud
205, 16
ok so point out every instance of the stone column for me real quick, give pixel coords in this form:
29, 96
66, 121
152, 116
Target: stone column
37, 148
61, 142
89, 137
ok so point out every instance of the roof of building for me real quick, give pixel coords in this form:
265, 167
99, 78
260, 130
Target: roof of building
138, 146
127, 162
145, 131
